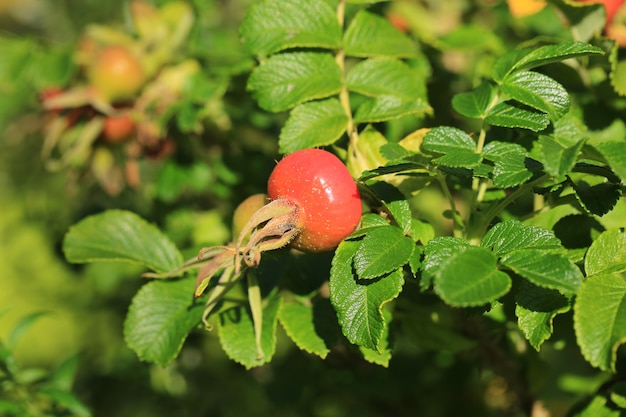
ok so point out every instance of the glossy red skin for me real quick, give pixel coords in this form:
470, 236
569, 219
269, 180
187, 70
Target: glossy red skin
328, 200
612, 6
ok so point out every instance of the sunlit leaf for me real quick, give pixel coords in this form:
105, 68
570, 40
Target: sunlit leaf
600, 318
506, 114
370, 35
271, 26
383, 250
512, 235
313, 124
607, 254
526, 59
537, 91
120, 236
288, 79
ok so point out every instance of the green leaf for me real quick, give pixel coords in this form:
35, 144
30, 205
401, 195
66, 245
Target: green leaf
600, 319
457, 147
548, 270
607, 254
611, 144
464, 275
476, 103
271, 26
558, 154
597, 199
445, 139
120, 236
383, 250
385, 76
510, 163
310, 325
359, 303
387, 107
519, 60
313, 124
383, 355
511, 235
506, 114
394, 203
159, 319
537, 91
536, 308
286, 80
236, 333
370, 35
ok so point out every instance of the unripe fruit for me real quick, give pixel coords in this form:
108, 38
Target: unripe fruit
118, 128
523, 8
116, 73
245, 210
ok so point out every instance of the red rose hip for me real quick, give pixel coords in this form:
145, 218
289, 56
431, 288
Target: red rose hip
325, 195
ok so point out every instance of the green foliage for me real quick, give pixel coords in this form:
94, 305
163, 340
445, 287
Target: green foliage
491, 164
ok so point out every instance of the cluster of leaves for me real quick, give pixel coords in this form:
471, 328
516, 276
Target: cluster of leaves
339, 86
36, 392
